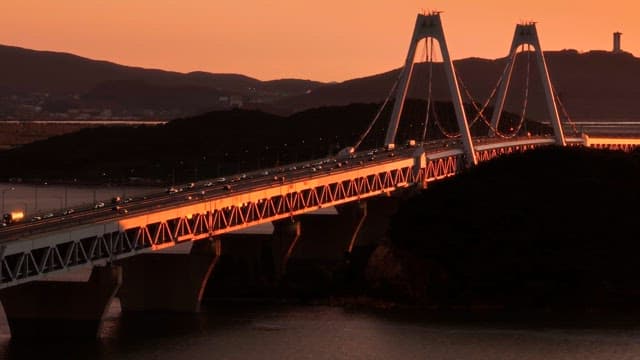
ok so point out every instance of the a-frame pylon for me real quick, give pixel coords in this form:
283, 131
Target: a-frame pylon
527, 34
430, 26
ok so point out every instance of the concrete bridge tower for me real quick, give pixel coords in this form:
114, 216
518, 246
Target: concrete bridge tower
527, 34
430, 26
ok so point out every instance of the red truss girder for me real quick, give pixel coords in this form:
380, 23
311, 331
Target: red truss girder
25, 266
490, 154
618, 147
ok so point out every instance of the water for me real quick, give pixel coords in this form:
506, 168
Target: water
45, 198
322, 332
250, 331
594, 128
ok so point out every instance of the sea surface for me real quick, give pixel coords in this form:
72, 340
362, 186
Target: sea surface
280, 331
44, 198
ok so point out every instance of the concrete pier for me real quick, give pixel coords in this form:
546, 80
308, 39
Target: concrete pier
329, 237
53, 309
168, 282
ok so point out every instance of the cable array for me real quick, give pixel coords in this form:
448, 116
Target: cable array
480, 110
477, 106
377, 116
429, 59
574, 128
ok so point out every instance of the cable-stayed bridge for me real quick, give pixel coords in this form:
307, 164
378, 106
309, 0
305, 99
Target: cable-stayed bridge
200, 213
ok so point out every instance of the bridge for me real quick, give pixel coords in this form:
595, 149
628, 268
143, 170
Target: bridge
128, 250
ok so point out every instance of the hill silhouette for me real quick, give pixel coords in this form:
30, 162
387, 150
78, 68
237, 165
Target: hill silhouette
216, 143
85, 82
596, 85
539, 229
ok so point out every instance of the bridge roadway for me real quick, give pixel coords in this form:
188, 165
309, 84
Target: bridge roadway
31, 249
252, 181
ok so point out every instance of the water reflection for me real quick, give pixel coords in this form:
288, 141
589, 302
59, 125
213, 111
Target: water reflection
321, 332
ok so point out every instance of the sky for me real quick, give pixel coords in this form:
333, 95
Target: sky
327, 40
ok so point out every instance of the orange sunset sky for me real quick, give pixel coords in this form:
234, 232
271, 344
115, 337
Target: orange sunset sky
327, 40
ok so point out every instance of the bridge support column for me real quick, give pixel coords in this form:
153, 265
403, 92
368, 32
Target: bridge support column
319, 260
379, 212
329, 237
253, 263
61, 308
246, 268
286, 234
168, 282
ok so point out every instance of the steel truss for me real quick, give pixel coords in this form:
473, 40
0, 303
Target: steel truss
33, 263
618, 147
27, 260
495, 152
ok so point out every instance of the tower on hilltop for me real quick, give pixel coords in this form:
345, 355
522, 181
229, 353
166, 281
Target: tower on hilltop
616, 42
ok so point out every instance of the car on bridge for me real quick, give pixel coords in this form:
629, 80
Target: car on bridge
12, 217
120, 209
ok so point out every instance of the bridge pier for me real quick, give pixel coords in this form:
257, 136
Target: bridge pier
323, 249
253, 262
295, 253
329, 237
379, 212
59, 309
168, 282
286, 235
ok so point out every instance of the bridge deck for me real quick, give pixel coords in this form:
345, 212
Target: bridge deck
32, 250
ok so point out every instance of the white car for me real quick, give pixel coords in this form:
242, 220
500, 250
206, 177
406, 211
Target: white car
98, 205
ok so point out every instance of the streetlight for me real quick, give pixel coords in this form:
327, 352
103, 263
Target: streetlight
35, 190
4, 191
24, 207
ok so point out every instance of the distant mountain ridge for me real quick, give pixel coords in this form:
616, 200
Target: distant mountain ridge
71, 81
597, 85
33, 70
